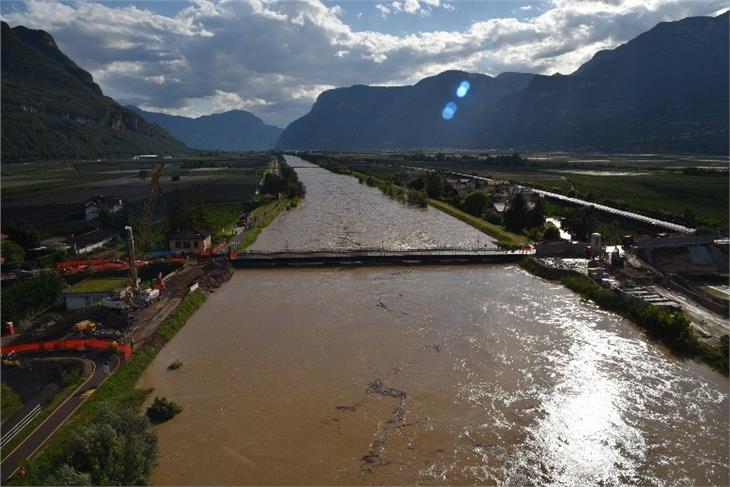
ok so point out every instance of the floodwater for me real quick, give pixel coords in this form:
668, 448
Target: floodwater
429, 375
340, 213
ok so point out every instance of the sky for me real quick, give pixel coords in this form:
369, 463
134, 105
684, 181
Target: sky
274, 57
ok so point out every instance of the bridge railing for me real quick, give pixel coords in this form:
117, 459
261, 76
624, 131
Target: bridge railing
379, 252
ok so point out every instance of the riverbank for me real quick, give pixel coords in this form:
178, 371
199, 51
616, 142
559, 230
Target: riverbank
673, 329
119, 390
504, 237
265, 215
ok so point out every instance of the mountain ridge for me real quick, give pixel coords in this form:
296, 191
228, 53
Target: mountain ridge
666, 90
230, 130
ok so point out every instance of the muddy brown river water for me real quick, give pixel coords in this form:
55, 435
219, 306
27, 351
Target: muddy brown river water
430, 375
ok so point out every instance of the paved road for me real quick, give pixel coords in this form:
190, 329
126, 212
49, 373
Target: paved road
40, 435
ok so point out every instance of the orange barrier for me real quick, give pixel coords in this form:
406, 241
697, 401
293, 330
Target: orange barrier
75, 345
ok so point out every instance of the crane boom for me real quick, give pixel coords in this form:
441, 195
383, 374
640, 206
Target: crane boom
149, 206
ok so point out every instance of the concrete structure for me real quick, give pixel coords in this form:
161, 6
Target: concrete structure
364, 257
560, 248
672, 241
89, 292
90, 241
93, 206
190, 240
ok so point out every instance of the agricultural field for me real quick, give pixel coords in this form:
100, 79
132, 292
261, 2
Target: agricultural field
51, 195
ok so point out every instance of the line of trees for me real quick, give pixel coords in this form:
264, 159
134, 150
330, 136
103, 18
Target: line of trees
286, 182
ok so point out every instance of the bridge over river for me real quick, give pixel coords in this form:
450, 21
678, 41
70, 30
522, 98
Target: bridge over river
365, 257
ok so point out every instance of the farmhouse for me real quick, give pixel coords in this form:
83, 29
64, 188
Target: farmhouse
190, 240
93, 206
91, 291
87, 242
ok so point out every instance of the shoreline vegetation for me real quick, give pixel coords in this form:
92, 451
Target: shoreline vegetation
118, 391
504, 238
671, 328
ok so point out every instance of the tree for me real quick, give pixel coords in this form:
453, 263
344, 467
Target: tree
67, 475
476, 203
535, 217
163, 410
12, 253
23, 233
178, 212
272, 184
516, 217
580, 222
199, 216
435, 186
117, 448
551, 232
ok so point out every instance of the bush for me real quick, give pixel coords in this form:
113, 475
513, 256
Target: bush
163, 410
175, 365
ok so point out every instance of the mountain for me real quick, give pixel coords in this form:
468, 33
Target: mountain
233, 130
664, 91
52, 109
402, 116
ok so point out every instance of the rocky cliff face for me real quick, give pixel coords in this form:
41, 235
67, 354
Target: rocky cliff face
52, 109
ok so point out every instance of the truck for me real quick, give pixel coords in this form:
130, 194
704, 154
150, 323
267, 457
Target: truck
147, 296
84, 326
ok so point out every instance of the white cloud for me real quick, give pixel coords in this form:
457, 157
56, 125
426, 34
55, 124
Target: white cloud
383, 9
274, 57
526, 8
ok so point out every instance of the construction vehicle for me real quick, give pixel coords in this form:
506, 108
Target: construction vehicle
11, 360
147, 297
149, 207
85, 326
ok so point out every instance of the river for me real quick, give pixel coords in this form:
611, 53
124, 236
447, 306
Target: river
404, 375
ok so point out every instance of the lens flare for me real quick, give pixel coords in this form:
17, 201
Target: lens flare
463, 89
448, 112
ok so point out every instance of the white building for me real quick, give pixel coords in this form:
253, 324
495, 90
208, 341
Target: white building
94, 205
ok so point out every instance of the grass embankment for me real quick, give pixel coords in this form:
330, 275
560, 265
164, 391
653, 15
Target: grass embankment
118, 390
270, 212
10, 402
73, 381
504, 237
669, 327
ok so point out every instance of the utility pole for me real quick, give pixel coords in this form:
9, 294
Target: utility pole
132, 258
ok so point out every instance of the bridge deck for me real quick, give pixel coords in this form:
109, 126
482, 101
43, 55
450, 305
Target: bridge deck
375, 257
